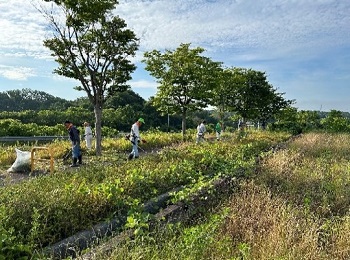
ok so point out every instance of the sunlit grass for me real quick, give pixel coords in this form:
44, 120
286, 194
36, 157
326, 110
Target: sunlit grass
295, 207
312, 173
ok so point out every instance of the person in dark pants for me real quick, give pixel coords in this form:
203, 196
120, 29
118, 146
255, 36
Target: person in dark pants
74, 137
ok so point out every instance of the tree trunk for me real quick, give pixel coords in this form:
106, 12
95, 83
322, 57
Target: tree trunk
222, 115
183, 124
98, 129
242, 124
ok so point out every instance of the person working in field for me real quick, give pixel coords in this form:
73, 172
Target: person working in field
135, 138
88, 135
75, 139
218, 130
200, 132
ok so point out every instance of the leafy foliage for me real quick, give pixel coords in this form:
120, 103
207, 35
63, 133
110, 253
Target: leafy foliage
186, 79
249, 94
335, 122
305, 121
93, 47
10, 246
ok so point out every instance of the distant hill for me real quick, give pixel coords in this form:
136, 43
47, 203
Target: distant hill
27, 99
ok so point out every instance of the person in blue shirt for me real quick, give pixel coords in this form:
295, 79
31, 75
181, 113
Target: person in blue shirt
74, 137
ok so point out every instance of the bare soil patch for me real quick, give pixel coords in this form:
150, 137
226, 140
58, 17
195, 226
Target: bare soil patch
12, 178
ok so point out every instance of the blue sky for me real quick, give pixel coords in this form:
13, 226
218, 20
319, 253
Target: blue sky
302, 45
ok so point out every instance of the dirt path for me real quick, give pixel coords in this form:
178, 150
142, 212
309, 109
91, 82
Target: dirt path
12, 178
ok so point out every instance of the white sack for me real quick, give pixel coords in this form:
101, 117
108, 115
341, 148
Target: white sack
22, 163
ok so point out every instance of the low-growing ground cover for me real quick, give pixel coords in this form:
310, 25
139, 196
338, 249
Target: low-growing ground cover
294, 206
42, 210
155, 140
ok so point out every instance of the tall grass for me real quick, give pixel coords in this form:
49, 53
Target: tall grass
43, 210
313, 173
296, 206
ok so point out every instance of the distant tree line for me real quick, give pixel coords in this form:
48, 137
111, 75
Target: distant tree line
292, 120
28, 106
27, 99
39, 113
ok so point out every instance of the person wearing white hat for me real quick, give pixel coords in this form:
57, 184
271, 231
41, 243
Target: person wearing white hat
88, 135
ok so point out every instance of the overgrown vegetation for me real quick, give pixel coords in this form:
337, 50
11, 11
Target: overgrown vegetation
295, 206
45, 209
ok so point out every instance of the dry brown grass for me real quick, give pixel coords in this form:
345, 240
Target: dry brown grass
313, 172
339, 246
331, 146
269, 227
298, 205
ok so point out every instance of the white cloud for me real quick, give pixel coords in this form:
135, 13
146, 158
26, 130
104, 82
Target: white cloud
278, 26
22, 29
143, 84
16, 73
297, 42
275, 25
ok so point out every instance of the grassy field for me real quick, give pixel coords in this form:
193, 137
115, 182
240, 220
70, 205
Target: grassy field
44, 209
289, 202
294, 206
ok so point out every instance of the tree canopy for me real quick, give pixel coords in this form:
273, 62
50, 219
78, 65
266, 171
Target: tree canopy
186, 79
93, 47
247, 93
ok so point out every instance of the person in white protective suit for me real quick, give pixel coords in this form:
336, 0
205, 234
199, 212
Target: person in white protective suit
200, 132
88, 135
135, 138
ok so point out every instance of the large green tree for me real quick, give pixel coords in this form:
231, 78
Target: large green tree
251, 96
271, 104
186, 79
94, 47
223, 93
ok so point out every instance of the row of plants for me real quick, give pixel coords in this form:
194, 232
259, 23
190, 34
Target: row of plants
295, 206
14, 127
27, 123
46, 209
